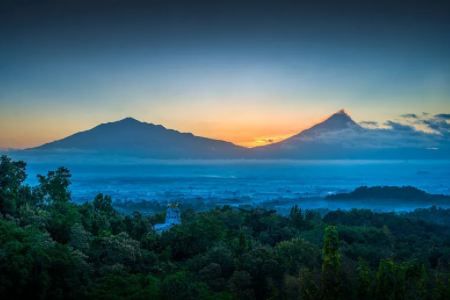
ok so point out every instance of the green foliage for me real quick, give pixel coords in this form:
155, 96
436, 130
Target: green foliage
62, 216
295, 254
241, 285
308, 287
12, 175
54, 187
296, 217
51, 248
121, 285
181, 286
193, 237
114, 250
390, 281
103, 203
331, 264
364, 281
34, 266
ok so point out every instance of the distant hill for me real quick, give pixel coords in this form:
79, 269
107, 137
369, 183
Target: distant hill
132, 137
405, 193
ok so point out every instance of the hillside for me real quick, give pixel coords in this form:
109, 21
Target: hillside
405, 193
132, 137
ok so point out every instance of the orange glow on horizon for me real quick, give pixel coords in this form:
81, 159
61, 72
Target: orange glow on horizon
247, 126
243, 127
245, 134
262, 140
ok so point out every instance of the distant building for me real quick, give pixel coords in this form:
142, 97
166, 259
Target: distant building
172, 218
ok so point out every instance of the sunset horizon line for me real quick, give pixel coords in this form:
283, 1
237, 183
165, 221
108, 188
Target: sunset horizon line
254, 143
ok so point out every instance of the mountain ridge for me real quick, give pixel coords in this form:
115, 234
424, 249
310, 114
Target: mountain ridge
337, 137
130, 136
337, 121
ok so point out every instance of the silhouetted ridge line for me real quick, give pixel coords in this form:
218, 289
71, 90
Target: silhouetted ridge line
337, 137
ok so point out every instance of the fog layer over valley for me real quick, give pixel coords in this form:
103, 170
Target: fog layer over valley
138, 161
276, 184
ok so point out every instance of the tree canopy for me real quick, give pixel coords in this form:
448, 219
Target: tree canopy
53, 248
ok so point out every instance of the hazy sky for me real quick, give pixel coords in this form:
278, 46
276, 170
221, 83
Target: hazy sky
242, 71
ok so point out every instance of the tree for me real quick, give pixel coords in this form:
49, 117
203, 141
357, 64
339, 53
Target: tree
265, 271
363, 290
12, 175
416, 280
33, 266
212, 275
442, 288
55, 186
80, 238
241, 285
243, 243
390, 281
331, 263
127, 286
100, 218
136, 225
222, 256
180, 285
296, 217
51, 248
103, 203
63, 216
296, 253
308, 287
116, 249
54, 191
193, 237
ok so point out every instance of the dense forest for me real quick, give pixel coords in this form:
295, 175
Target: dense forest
52, 248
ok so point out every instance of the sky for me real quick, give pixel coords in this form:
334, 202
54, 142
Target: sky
249, 72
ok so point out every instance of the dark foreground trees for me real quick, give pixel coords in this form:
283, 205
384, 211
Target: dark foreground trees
51, 248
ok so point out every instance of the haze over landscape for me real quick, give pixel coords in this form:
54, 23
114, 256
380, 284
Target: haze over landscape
247, 101
251, 149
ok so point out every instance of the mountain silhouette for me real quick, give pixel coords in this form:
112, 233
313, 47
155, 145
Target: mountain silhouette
338, 137
130, 136
337, 122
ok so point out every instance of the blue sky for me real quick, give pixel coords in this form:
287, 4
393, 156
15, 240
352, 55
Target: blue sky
243, 71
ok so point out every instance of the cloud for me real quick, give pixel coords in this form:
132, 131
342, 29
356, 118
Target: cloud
438, 123
442, 116
410, 116
411, 131
370, 124
439, 126
265, 141
399, 126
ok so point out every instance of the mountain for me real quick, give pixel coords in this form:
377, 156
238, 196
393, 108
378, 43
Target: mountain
339, 121
132, 137
339, 137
